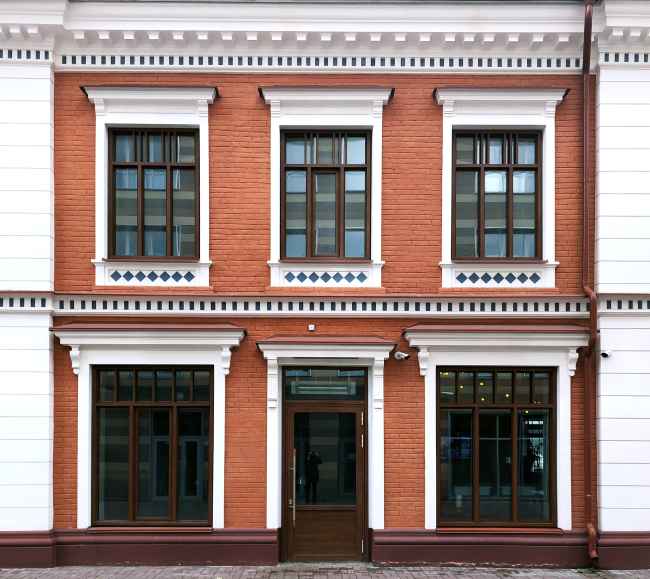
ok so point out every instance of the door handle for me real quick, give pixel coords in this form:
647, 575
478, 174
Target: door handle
292, 502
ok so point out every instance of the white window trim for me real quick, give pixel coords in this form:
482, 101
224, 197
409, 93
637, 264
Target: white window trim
314, 108
191, 348
500, 109
371, 357
490, 348
150, 107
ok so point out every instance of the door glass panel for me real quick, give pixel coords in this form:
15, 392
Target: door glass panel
485, 387
355, 214
106, 386
183, 382
193, 468
183, 213
467, 214
542, 387
495, 214
326, 459
466, 387
504, 387
325, 213
495, 460
125, 386
153, 463
325, 149
144, 385
113, 461
324, 384
126, 211
296, 214
523, 387
155, 212
201, 386
447, 386
163, 385
455, 465
534, 494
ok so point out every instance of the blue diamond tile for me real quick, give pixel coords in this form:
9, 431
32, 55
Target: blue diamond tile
189, 276
116, 275
153, 276
511, 277
350, 277
177, 277
462, 278
301, 277
140, 276
314, 277
522, 277
164, 276
337, 277
326, 277
498, 278
535, 278
486, 277
474, 278
289, 277
128, 276
362, 277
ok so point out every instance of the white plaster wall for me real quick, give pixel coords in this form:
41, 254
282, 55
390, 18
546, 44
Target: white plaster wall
623, 181
26, 422
26, 177
624, 423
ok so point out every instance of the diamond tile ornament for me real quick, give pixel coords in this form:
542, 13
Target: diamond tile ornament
314, 277
535, 278
140, 276
337, 277
474, 278
289, 277
301, 277
498, 278
486, 277
350, 277
153, 276
462, 278
523, 278
164, 276
116, 275
362, 277
189, 276
510, 277
177, 277
326, 277
128, 276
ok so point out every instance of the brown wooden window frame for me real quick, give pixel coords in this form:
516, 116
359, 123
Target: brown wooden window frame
313, 168
141, 151
509, 148
173, 407
514, 407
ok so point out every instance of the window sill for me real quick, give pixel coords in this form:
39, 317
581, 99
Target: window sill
498, 274
137, 529
319, 274
152, 273
503, 530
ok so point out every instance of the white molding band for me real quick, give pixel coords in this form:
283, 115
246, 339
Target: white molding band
499, 109
483, 347
308, 108
150, 347
156, 107
369, 356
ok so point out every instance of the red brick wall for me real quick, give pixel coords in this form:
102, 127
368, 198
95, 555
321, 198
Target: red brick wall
239, 180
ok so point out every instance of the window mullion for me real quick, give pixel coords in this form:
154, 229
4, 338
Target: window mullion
481, 211
514, 468
309, 225
133, 471
510, 247
140, 210
475, 458
173, 464
170, 204
340, 214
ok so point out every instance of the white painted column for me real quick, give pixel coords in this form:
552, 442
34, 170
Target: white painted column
376, 446
273, 448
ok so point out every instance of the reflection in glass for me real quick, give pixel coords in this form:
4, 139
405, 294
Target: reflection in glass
542, 387
124, 148
495, 461
325, 213
126, 211
326, 458
163, 385
504, 387
155, 212
324, 384
296, 214
447, 386
467, 214
534, 489
182, 387
183, 212
466, 387
485, 387
356, 150
495, 214
154, 144
153, 463
523, 387
185, 149
355, 214
295, 149
325, 149
144, 385
193, 467
125, 386
113, 464
526, 150
465, 150
496, 150
524, 213
201, 386
455, 465
106, 385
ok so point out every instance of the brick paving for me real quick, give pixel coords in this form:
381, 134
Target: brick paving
316, 571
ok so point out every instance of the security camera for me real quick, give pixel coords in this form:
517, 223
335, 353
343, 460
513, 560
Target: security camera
402, 356
606, 353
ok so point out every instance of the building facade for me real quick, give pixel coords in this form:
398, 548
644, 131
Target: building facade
308, 281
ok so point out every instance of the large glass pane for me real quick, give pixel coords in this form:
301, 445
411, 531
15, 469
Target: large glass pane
504, 387
325, 149
113, 464
447, 386
526, 150
495, 461
153, 463
495, 214
324, 384
326, 458
325, 213
455, 465
106, 386
182, 386
193, 467
356, 150
296, 214
155, 212
467, 214
496, 149
485, 387
201, 386
185, 149
523, 387
465, 150
144, 385
184, 212
466, 387
125, 386
295, 149
154, 144
124, 148
534, 473
542, 387
355, 214
523, 210
126, 211
163, 385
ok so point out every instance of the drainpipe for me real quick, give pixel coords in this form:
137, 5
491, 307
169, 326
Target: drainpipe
589, 292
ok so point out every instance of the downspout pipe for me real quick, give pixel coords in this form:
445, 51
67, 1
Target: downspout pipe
586, 288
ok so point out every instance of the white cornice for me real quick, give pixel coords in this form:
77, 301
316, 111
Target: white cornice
325, 95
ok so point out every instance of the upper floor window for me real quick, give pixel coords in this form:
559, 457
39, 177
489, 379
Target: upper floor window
325, 185
153, 200
497, 199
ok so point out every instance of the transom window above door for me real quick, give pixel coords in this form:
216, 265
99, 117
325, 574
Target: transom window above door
325, 186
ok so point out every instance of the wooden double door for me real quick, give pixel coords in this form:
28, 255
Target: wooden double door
324, 511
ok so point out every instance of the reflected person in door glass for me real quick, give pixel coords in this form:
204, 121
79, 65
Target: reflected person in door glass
311, 475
